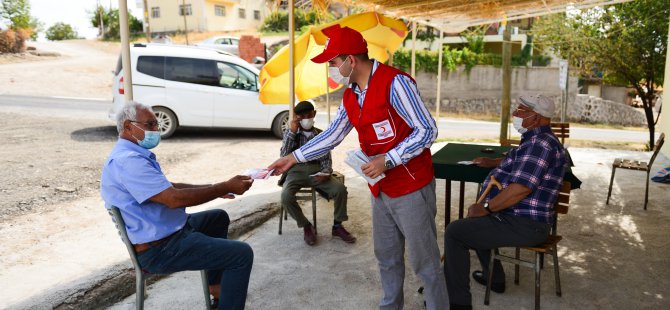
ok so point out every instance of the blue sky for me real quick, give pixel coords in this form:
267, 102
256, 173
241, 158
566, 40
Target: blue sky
75, 13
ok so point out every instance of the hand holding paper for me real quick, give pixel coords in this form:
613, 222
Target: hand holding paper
259, 173
356, 159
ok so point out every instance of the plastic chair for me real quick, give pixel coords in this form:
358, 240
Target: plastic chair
548, 247
636, 165
140, 280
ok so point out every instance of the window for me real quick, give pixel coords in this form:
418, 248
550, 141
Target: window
190, 70
152, 65
243, 13
219, 10
257, 15
234, 76
185, 10
155, 12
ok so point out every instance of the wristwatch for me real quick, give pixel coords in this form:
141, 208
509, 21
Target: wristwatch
486, 207
388, 164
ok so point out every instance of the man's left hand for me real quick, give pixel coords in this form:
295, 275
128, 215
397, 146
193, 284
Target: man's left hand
477, 210
375, 167
321, 178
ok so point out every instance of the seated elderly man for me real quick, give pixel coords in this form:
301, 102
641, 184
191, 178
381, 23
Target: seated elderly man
165, 237
518, 215
316, 173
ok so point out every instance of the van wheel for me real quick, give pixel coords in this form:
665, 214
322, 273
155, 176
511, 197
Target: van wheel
280, 124
167, 122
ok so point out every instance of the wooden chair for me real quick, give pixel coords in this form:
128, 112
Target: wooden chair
139, 273
548, 247
306, 193
636, 165
561, 130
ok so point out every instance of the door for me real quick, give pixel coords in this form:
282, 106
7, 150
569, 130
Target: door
189, 89
236, 102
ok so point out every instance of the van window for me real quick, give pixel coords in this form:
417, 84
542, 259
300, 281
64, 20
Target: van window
234, 76
191, 70
151, 65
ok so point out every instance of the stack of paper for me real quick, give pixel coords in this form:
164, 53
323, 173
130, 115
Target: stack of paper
355, 159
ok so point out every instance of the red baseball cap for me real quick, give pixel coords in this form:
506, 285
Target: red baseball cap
341, 41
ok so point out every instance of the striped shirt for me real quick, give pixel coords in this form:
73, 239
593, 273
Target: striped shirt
293, 141
539, 164
405, 99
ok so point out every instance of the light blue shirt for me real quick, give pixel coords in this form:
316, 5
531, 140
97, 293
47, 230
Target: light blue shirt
131, 175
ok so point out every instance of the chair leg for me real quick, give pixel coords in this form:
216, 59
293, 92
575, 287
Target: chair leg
517, 254
609, 192
557, 277
537, 281
646, 193
314, 210
489, 277
282, 212
139, 290
205, 288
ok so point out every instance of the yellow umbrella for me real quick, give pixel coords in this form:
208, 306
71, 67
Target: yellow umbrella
383, 34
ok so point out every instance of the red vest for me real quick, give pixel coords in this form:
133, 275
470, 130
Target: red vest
380, 129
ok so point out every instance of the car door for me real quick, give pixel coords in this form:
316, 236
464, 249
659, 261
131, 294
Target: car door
189, 89
236, 102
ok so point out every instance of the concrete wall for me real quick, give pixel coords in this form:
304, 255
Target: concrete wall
614, 93
664, 122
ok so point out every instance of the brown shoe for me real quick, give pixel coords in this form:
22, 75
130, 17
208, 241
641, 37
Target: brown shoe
343, 234
310, 235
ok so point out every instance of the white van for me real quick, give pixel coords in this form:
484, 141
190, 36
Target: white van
197, 87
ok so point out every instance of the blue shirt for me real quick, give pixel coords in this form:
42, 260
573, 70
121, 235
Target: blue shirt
131, 175
539, 164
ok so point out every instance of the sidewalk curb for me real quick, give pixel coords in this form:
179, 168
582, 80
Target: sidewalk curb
117, 282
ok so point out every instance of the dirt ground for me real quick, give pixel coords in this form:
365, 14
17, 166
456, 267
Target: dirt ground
53, 229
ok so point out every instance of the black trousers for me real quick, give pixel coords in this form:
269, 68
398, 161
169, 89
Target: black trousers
483, 234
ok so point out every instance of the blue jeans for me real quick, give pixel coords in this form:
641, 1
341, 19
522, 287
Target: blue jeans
202, 244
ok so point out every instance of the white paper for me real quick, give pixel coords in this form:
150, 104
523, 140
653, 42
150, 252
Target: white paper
318, 174
355, 159
259, 173
466, 162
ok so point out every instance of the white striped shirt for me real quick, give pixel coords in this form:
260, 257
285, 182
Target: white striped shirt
405, 99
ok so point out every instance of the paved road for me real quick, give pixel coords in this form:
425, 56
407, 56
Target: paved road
448, 128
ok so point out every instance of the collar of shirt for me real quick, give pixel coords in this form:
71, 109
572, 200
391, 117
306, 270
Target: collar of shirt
360, 94
126, 144
535, 131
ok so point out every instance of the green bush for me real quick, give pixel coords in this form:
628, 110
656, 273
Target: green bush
278, 21
61, 31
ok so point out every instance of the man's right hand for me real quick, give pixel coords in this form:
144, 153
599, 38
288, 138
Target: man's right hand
295, 124
283, 164
239, 184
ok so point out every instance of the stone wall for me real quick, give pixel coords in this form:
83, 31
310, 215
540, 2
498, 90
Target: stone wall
589, 109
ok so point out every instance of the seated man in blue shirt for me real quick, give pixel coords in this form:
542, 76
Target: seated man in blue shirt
520, 214
300, 131
165, 237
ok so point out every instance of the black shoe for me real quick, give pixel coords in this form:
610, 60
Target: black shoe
479, 276
460, 307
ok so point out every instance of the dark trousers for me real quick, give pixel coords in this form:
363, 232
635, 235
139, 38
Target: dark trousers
483, 234
202, 245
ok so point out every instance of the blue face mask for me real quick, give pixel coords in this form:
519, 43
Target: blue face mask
151, 139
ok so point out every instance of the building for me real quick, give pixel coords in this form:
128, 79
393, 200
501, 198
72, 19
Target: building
206, 15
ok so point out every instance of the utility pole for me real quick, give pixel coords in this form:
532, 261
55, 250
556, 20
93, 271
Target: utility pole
147, 29
506, 81
101, 24
183, 11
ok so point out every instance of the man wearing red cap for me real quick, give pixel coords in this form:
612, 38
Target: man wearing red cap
396, 131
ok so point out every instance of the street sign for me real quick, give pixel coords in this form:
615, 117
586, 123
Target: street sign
562, 74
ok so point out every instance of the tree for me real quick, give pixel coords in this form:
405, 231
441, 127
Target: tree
61, 31
110, 20
625, 43
16, 13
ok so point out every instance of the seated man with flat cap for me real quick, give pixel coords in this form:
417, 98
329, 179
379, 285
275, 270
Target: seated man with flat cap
520, 214
300, 131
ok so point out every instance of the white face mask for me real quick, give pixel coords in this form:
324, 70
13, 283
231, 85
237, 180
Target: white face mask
517, 123
334, 73
307, 123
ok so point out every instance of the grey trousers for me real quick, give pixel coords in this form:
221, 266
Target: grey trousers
298, 177
483, 234
408, 218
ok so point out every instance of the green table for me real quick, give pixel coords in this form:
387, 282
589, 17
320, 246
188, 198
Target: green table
445, 162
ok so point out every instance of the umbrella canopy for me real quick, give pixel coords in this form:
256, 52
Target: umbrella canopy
383, 34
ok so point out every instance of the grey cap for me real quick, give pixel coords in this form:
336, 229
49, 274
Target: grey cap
541, 104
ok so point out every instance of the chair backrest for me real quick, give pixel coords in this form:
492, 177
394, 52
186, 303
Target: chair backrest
561, 130
115, 213
657, 147
562, 203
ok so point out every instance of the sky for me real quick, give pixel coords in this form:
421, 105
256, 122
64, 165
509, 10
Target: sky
75, 13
